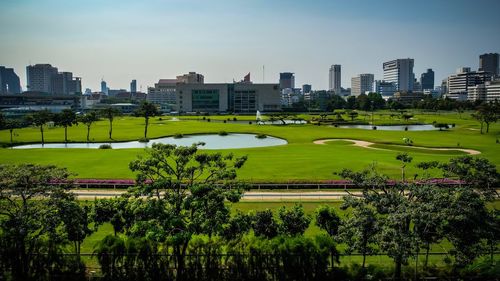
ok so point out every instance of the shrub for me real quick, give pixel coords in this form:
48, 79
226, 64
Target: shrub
178, 136
250, 122
223, 133
261, 136
105, 146
143, 140
374, 127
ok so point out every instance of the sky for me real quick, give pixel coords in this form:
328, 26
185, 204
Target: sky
226, 39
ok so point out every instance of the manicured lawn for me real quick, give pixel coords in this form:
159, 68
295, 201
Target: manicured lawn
299, 160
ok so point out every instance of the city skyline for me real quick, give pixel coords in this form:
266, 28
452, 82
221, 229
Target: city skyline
151, 40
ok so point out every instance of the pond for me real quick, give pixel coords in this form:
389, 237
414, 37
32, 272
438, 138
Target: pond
393, 127
229, 141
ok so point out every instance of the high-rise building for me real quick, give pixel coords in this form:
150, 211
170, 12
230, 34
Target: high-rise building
361, 84
400, 72
45, 78
64, 83
489, 63
191, 78
335, 79
287, 80
385, 89
104, 87
427, 80
9, 81
133, 86
306, 88
39, 77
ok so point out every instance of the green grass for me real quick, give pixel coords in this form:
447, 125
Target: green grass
299, 160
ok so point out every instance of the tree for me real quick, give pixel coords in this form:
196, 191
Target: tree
11, 125
328, 220
2, 121
359, 230
362, 102
265, 224
466, 225
405, 159
351, 102
353, 114
336, 102
110, 113
39, 119
441, 126
88, 119
147, 110
66, 118
30, 220
487, 113
477, 173
166, 173
376, 101
407, 116
293, 220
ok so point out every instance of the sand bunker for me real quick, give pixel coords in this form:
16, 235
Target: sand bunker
367, 144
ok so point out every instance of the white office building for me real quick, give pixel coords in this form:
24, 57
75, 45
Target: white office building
400, 72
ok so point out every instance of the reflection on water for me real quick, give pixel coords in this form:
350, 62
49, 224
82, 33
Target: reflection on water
211, 142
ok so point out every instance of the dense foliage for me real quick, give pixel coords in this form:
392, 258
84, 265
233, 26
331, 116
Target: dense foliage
176, 224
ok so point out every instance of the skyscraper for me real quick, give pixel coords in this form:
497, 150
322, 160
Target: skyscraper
39, 77
361, 84
400, 72
64, 83
489, 63
335, 79
287, 80
427, 80
133, 86
104, 87
9, 81
306, 88
45, 78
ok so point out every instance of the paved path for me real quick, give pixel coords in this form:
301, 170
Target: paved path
367, 144
250, 195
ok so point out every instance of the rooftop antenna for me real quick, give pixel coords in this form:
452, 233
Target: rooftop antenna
263, 74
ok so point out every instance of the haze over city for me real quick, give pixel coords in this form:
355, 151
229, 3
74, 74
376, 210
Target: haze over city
224, 40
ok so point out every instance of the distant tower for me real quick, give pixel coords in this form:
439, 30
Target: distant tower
427, 80
287, 80
489, 63
334, 80
133, 86
104, 87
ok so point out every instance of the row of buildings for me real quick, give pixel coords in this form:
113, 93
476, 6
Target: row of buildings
483, 84
189, 93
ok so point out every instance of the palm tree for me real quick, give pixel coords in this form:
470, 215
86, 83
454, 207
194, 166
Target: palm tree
40, 118
66, 118
147, 110
11, 125
110, 113
88, 119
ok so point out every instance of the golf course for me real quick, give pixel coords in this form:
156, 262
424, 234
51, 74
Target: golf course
307, 156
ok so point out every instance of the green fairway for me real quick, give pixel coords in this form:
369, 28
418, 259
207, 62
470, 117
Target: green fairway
300, 159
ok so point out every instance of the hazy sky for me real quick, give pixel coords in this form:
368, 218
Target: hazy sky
225, 39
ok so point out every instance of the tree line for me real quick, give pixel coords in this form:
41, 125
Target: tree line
68, 118
177, 223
